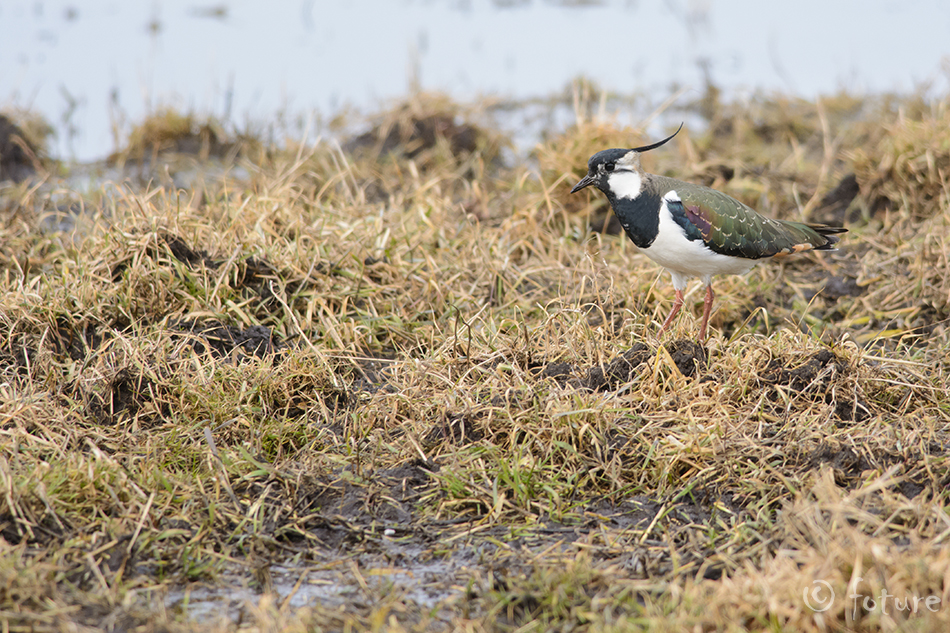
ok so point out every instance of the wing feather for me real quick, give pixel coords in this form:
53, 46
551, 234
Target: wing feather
731, 228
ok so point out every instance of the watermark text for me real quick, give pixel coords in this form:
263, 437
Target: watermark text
820, 596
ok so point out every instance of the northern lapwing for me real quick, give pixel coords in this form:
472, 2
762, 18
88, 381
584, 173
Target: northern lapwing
692, 230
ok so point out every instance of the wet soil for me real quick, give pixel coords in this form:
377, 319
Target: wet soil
372, 517
373, 524
373, 520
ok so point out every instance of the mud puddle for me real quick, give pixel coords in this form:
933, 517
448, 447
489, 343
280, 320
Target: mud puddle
423, 586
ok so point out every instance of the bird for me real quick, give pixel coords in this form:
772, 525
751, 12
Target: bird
692, 230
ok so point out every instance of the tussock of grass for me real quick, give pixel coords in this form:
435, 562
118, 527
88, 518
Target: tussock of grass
408, 357
169, 132
23, 145
906, 173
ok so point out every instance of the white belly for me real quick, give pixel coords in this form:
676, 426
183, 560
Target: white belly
686, 258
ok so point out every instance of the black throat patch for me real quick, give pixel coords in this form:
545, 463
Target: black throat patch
639, 217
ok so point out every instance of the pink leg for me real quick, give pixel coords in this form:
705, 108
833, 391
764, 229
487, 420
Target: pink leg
677, 304
707, 308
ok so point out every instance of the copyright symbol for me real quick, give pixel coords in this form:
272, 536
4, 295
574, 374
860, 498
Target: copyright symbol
821, 596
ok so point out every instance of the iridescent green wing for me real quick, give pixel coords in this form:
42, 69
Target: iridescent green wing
731, 228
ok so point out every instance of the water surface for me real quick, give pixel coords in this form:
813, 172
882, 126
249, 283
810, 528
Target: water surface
93, 68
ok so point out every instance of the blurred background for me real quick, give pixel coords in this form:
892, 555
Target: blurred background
94, 68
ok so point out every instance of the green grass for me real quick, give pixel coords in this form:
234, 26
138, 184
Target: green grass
408, 370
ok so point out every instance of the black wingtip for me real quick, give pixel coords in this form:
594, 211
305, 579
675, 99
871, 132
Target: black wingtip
824, 229
830, 233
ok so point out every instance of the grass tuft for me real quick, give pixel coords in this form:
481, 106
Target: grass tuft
407, 386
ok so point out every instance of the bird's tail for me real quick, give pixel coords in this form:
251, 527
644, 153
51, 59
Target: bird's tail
830, 233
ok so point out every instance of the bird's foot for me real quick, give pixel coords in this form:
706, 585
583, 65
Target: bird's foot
677, 304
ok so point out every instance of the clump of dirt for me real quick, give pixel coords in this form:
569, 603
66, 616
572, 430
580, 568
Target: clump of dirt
818, 377
125, 395
184, 253
688, 356
561, 372
802, 377
618, 371
844, 461
851, 463
222, 340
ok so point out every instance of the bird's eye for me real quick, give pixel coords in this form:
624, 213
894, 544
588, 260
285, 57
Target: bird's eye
609, 167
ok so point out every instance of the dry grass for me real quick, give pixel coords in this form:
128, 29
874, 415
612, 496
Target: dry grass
414, 380
168, 131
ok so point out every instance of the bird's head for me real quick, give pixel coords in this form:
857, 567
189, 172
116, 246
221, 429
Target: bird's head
618, 171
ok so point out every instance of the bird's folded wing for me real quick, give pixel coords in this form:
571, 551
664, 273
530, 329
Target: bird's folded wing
731, 228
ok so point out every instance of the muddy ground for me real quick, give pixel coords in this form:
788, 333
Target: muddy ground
405, 386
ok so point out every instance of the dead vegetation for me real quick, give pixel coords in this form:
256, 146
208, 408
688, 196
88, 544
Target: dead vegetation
168, 133
22, 145
406, 387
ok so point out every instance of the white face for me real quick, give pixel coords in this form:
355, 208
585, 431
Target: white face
624, 181
630, 160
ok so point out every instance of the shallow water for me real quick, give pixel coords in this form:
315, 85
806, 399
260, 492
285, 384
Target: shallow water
284, 67
425, 585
